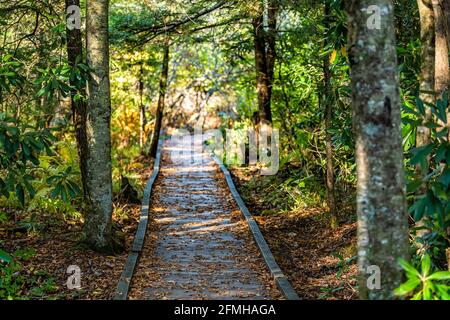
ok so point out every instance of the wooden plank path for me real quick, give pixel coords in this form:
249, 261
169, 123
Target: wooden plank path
200, 249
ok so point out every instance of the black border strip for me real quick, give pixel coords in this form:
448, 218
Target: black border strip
280, 279
123, 286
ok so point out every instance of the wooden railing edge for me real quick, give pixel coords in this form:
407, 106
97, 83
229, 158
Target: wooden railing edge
123, 286
280, 279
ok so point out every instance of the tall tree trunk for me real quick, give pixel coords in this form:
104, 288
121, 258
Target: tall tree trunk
427, 37
442, 69
98, 231
427, 93
328, 101
161, 101
381, 203
74, 56
442, 66
262, 77
271, 43
446, 11
142, 117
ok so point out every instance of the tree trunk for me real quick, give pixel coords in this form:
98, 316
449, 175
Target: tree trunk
328, 100
427, 37
98, 233
442, 69
446, 11
161, 102
142, 117
271, 43
74, 56
262, 76
381, 203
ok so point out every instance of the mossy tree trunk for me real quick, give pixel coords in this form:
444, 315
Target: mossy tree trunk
263, 75
272, 12
442, 68
79, 107
142, 117
446, 11
161, 101
427, 37
328, 115
97, 228
381, 204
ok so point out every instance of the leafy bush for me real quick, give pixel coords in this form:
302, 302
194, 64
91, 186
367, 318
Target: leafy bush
424, 284
20, 147
429, 188
22, 143
9, 74
428, 171
15, 285
57, 79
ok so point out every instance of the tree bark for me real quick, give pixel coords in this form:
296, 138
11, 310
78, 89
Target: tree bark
161, 101
98, 230
271, 42
442, 68
427, 37
446, 11
327, 101
381, 204
74, 56
142, 117
262, 76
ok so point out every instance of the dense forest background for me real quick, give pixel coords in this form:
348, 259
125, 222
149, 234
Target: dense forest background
230, 65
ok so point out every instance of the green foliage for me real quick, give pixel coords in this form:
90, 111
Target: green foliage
343, 264
9, 74
429, 187
65, 186
57, 79
20, 147
22, 143
54, 80
14, 280
424, 284
5, 257
343, 267
11, 281
25, 254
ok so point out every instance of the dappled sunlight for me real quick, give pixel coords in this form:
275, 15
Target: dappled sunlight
215, 149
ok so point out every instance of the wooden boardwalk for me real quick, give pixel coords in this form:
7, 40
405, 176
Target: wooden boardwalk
201, 248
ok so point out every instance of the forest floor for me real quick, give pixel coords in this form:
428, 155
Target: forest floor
318, 261
45, 249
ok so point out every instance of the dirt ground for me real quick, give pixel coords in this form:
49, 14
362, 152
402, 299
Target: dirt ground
47, 253
56, 250
319, 262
